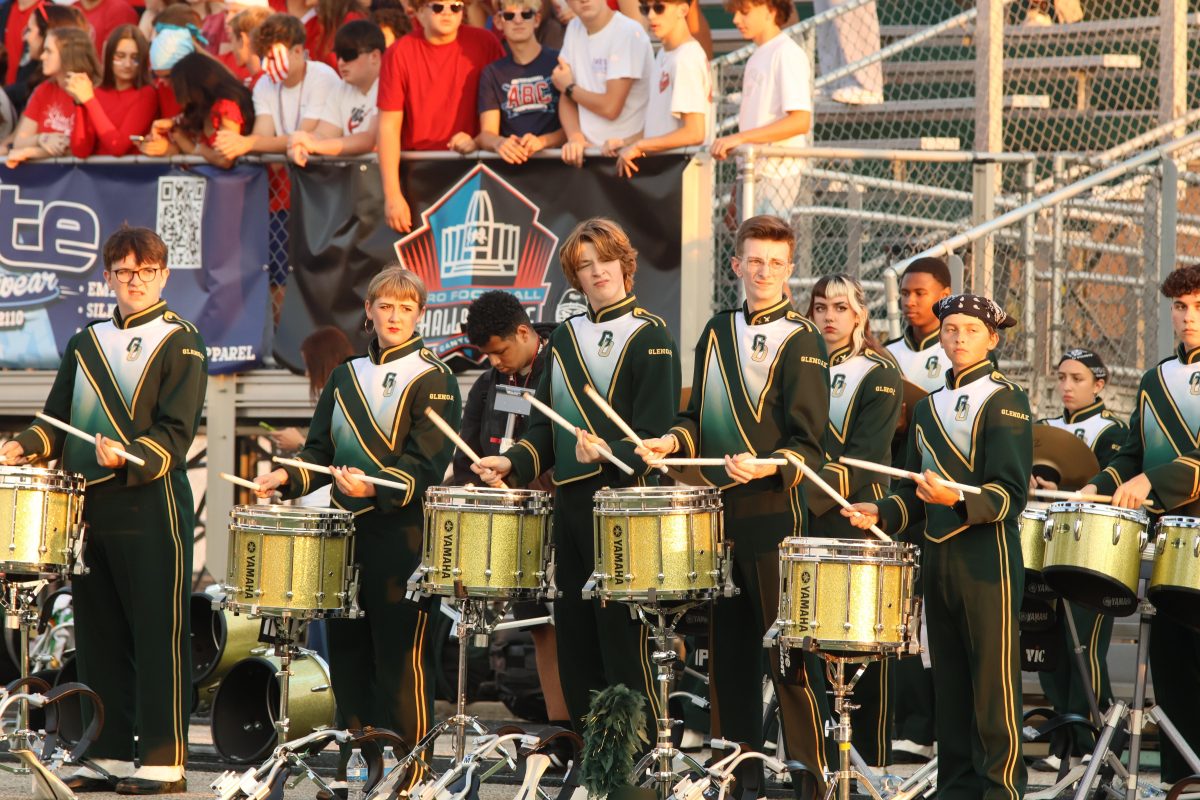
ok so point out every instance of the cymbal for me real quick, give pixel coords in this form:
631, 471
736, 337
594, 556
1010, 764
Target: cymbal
1057, 450
911, 394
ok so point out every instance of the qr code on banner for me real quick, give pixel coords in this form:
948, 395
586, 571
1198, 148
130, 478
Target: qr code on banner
180, 211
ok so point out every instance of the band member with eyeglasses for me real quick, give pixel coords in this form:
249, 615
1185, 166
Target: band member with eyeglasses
974, 430
864, 407
1160, 462
137, 381
759, 390
627, 355
370, 419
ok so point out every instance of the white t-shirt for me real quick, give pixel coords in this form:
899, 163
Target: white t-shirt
619, 50
289, 105
679, 84
350, 109
776, 80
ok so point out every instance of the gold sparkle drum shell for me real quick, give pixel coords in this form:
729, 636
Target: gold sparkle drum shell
220, 639
1033, 542
1175, 581
847, 596
1094, 555
290, 561
485, 542
41, 520
657, 543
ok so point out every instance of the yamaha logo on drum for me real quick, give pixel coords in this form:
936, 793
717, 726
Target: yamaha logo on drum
618, 554
804, 601
447, 565
250, 569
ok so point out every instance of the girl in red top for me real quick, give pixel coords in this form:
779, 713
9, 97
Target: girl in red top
52, 123
320, 29
45, 18
124, 104
213, 100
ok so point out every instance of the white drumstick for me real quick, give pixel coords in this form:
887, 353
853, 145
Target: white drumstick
291, 462
612, 414
883, 469
87, 437
1058, 494
558, 419
234, 479
720, 462
833, 493
459, 442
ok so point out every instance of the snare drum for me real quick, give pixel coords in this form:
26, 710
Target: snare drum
484, 542
657, 543
291, 561
847, 595
1175, 582
1033, 542
1094, 555
43, 512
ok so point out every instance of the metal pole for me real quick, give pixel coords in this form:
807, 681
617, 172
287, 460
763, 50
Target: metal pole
1028, 254
989, 133
1137, 710
1057, 256
1172, 60
1168, 196
891, 288
221, 432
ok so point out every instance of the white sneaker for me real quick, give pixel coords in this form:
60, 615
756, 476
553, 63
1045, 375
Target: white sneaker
692, 741
856, 96
1050, 763
917, 753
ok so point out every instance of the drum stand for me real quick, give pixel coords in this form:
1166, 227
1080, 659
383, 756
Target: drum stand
284, 633
847, 773
19, 602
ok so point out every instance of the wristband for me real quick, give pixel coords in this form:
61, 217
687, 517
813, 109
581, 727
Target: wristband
570, 91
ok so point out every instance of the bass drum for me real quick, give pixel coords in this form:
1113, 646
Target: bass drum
220, 639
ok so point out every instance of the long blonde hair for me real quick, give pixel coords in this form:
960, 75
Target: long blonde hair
837, 286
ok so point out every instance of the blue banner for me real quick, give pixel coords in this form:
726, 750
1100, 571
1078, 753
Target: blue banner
54, 220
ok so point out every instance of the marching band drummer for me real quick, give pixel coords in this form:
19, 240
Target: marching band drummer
627, 354
864, 407
975, 430
759, 390
1159, 461
1081, 379
370, 419
138, 380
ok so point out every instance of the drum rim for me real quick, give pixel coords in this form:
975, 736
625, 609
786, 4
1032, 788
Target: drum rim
1076, 506
1041, 514
488, 491
656, 491
1169, 522
339, 532
41, 478
790, 545
298, 512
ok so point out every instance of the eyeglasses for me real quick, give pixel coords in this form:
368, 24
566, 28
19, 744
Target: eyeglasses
453, 8
126, 58
145, 274
347, 54
658, 8
509, 16
775, 265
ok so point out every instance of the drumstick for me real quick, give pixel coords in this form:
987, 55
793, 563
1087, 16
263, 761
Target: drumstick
459, 442
720, 462
833, 493
234, 479
71, 429
1058, 494
612, 414
291, 462
558, 419
903, 473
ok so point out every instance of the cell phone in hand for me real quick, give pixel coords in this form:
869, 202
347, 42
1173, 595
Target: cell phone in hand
137, 139
266, 426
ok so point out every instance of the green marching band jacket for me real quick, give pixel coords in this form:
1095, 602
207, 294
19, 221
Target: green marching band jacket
1162, 437
139, 381
371, 415
922, 361
976, 430
628, 356
1096, 426
864, 407
760, 386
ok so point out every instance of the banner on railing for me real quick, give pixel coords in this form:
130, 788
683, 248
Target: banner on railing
477, 225
54, 220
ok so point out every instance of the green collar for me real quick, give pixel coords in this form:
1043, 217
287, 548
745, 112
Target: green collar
841, 354
140, 317
970, 374
1087, 412
1186, 357
617, 309
769, 314
910, 336
378, 356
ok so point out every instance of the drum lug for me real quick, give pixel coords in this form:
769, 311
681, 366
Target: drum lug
1078, 527
1116, 537
1196, 548
1160, 543
1143, 540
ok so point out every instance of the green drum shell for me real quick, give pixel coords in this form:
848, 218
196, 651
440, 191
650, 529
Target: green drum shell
658, 542
485, 542
289, 560
220, 639
1086, 565
1174, 587
1033, 541
847, 595
43, 511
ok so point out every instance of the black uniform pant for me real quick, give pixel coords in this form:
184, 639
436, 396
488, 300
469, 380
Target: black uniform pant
1175, 668
597, 645
1066, 689
973, 584
132, 626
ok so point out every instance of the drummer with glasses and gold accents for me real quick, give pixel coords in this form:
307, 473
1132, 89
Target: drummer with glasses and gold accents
758, 391
137, 381
627, 355
864, 406
370, 420
1159, 461
974, 430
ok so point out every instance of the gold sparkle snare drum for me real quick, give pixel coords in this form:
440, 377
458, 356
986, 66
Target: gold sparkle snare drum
220, 639
1033, 542
484, 542
291, 561
847, 595
1175, 582
1094, 555
42, 510
657, 543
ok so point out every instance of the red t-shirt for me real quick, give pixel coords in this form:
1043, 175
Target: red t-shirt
14, 38
108, 14
55, 111
168, 106
436, 86
239, 72
224, 109
117, 115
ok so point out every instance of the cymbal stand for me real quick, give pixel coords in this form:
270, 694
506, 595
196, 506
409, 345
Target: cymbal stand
19, 602
835, 670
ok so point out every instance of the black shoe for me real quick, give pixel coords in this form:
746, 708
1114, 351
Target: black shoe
336, 794
83, 783
144, 786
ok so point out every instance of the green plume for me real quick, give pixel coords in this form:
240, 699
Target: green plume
613, 734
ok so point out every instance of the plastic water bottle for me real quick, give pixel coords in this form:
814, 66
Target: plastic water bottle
356, 776
390, 762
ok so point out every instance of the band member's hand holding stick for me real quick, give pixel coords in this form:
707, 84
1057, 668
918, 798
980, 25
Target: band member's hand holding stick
1133, 493
109, 452
347, 478
1081, 496
459, 442
848, 509
592, 441
883, 469
611, 413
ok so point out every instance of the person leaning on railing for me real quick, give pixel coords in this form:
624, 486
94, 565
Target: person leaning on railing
124, 104
29, 71
52, 124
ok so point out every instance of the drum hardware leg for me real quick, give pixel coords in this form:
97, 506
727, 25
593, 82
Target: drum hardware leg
840, 782
1081, 665
19, 602
920, 783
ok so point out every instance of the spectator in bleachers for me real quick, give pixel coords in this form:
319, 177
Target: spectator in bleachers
213, 101
150, 15
105, 15
29, 72
555, 16
698, 25
171, 42
52, 124
851, 37
603, 73
1048, 12
680, 88
394, 22
323, 27
16, 34
427, 93
349, 122
241, 59
124, 104
518, 104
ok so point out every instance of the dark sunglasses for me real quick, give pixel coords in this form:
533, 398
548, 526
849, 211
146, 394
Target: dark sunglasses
455, 8
347, 54
657, 8
509, 16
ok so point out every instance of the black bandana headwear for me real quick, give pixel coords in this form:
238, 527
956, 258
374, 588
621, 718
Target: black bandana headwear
1088, 359
974, 305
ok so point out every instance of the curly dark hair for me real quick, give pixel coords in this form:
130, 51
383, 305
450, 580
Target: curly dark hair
495, 313
199, 81
1185, 280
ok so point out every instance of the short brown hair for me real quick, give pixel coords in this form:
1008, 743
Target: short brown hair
1184, 280
396, 281
767, 228
144, 243
782, 8
611, 244
247, 20
278, 29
